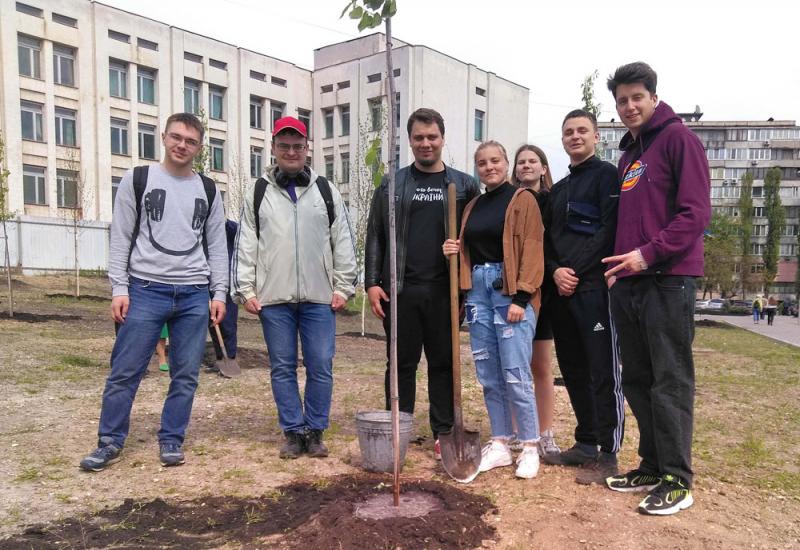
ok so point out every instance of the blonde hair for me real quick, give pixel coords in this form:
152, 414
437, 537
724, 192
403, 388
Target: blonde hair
486, 145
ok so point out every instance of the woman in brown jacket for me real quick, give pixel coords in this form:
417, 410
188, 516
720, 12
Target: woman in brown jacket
502, 268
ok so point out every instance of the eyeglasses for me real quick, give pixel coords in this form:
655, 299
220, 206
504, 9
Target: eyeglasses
286, 147
188, 141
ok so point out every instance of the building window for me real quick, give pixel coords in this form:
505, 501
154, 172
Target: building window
374, 77
32, 121
217, 154
67, 188
119, 36
193, 57
255, 75
65, 127
396, 72
118, 79
343, 85
119, 136
63, 65
345, 176
29, 10
29, 53
329, 167
344, 112
375, 113
216, 96
326, 88
480, 91
327, 116
256, 112
397, 110
147, 44
217, 64
759, 231
191, 96
278, 81
33, 187
146, 83
276, 112
479, 117
304, 116
256, 161
147, 141
758, 211
758, 192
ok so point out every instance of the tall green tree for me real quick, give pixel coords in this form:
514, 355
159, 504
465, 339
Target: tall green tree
745, 229
587, 94
201, 160
722, 246
5, 215
776, 218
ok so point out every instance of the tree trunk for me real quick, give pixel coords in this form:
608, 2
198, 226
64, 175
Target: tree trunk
77, 264
7, 260
363, 310
393, 269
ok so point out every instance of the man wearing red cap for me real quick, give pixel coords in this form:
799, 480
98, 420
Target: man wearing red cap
294, 266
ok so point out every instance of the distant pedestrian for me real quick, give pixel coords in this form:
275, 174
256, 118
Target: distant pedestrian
772, 309
756, 310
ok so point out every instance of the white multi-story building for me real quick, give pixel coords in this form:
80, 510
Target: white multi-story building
734, 148
86, 89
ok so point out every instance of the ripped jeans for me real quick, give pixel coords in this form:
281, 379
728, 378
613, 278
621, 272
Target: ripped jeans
502, 353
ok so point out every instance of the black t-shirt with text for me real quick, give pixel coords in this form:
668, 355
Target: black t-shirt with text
425, 263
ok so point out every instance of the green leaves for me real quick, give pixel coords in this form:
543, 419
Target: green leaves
373, 161
356, 12
371, 14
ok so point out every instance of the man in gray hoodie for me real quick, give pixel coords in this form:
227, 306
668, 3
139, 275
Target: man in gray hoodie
295, 266
167, 251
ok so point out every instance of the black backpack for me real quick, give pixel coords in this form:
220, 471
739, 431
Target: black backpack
140, 184
324, 189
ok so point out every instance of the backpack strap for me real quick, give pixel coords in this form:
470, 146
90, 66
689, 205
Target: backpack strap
324, 189
258, 196
139, 185
211, 191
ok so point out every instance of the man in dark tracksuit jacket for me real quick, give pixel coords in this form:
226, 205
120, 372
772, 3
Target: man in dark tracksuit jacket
664, 207
423, 310
580, 223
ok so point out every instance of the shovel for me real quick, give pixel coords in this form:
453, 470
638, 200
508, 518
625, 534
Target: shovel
227, 367
461, 448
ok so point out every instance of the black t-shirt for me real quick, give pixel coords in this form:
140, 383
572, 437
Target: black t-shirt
483, 234
425, 263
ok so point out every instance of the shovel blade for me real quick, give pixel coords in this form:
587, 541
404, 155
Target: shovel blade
228, 368
461, 454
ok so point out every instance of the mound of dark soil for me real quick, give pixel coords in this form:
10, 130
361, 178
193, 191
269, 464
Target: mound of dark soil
298, 515
24, 317
83, 298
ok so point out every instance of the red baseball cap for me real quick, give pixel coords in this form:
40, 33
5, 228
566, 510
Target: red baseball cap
289, 122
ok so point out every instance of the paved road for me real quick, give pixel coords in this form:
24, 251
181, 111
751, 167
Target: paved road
785, 328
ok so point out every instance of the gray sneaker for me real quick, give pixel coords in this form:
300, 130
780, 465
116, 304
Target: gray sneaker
104, 455
547, 444
171, 454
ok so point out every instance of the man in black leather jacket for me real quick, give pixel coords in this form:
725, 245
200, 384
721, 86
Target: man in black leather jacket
423, 312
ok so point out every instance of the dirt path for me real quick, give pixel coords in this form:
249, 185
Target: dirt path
747, 440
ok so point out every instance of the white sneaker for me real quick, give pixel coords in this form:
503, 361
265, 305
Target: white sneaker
495, 454
547, 444
527, 463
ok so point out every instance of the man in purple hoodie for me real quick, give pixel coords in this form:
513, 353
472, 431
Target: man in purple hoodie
664, 207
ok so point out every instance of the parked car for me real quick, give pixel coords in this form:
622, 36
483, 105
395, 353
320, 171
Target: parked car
701, 305
717, 303
748, 304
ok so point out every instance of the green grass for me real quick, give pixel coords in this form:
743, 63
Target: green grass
78, 361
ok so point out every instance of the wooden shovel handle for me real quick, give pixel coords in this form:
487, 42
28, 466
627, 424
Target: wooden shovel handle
454, 317
221, 342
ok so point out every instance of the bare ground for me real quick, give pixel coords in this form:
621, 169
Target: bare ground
747, 438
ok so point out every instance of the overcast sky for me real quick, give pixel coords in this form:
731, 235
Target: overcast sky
736, 59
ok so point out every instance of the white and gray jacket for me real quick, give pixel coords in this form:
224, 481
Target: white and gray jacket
298, 257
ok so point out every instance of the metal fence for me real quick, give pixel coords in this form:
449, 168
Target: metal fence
40, 245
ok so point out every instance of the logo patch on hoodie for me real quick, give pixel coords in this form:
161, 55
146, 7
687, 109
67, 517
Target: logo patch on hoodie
632, 175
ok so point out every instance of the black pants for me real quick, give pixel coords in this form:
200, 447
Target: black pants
655, 319
586, 348
423, 322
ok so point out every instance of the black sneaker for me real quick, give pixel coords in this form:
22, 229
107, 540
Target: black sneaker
670, 497
314, 445
171, 454
294, 446
105, 455
574, 456
599, 470
635, 481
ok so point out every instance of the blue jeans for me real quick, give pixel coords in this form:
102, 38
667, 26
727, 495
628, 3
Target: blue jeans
184, 308
316, 324
502, 353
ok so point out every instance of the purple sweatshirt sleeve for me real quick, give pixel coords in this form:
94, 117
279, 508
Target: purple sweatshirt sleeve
692, 201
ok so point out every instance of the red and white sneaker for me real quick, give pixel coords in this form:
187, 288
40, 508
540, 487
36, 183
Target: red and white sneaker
437, 450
